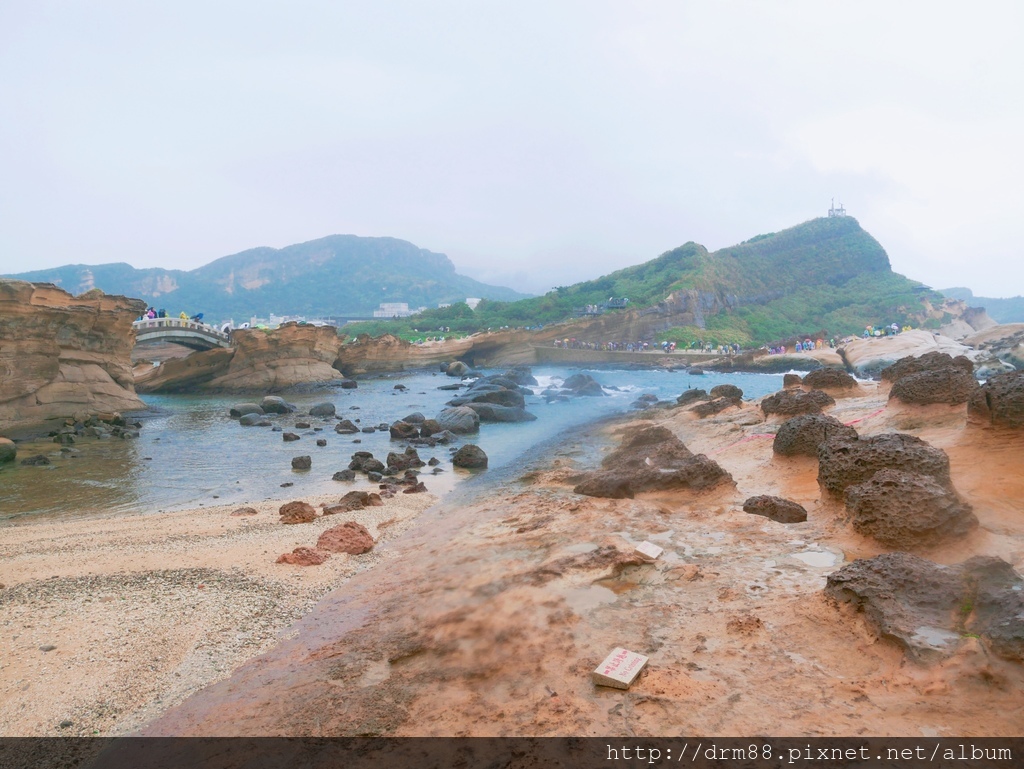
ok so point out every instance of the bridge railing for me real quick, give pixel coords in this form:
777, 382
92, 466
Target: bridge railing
153, 324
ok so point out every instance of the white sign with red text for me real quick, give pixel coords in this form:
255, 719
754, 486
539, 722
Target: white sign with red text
619, 669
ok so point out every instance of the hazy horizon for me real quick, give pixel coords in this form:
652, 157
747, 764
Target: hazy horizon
535, 145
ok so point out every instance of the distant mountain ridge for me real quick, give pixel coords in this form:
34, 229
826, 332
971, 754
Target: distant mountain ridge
335, 275
1010, 310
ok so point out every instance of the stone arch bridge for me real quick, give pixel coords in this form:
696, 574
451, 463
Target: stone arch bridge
187, 333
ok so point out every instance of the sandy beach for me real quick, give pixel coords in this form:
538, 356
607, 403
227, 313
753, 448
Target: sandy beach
143, 610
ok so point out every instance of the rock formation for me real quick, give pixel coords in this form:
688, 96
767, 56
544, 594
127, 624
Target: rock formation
804, 434
775, 508
61, 354
906, 510
828, 379
350, 537
790, 402
651, 459
930, 610
845, 463
1000, 401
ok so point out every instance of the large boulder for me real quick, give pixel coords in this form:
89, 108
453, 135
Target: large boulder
457, 368
403, 431
325, 409
241, 409
522, 376
930, 610
512, 398
583, 384
8, 450
1000, 401
945, 385
775, 508
845, 463
429, 427
906, 510
793, 402
651, 459
297, 512
930, 361
363, 462
790, 381
350, 537
803, 435
491, 412
470, 456
458, 419
273, 404
828, 379
302, 463
726, 391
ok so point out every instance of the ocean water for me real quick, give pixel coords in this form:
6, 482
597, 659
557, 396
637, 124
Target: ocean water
191, 453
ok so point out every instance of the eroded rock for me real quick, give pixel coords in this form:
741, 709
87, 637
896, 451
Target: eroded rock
470, 456
297, 512
907, 510
651, 459
304, 556
792, 402
845, 463
950, 385
1000, 401
350, 537
929, 609
776, 508
803, 435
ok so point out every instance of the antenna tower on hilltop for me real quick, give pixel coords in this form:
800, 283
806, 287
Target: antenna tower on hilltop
833, 211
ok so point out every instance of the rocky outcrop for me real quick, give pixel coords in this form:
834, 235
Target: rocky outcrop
1000, 401
906, 510
931, 610
716, 406
389, 353
791, 402
775, 508
868, 357
350, 537
726, 391
845, 463
1005, 342
803, 435
61, 354
950, 385
692, 396
931, 361
261, 361
829, 379
651, 459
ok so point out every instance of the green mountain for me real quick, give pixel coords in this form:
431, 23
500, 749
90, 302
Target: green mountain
823, 277
1000, 310
336, 275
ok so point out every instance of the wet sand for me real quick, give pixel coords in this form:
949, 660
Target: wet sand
143, 610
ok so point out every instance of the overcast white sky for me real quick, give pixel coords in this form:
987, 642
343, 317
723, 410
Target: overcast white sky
536, 143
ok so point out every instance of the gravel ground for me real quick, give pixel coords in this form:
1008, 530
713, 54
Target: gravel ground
107, 622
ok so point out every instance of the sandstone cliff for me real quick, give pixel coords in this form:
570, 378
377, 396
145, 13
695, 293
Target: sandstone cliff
61, 354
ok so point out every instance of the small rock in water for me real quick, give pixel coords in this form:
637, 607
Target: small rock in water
321, 442
302, 463
290, 437
286, 484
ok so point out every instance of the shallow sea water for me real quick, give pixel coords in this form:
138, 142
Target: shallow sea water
191, 453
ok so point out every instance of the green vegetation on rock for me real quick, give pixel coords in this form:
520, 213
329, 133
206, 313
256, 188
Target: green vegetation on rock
826, 277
